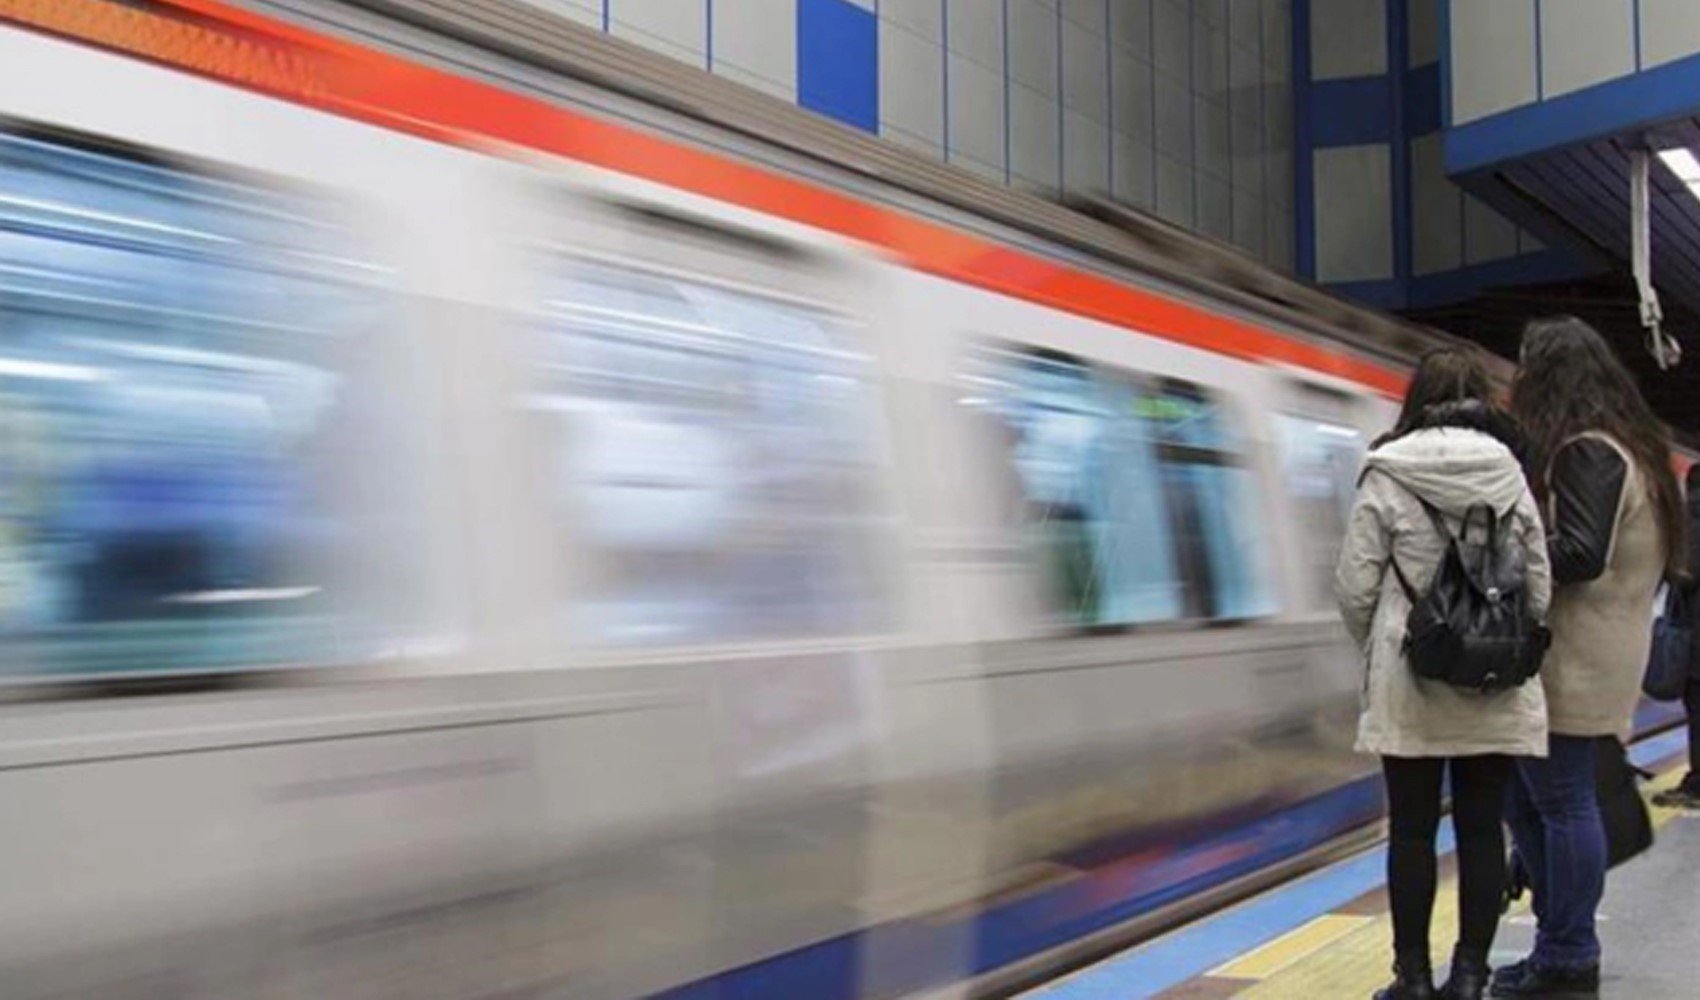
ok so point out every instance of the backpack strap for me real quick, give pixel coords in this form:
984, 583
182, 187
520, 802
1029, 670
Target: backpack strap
1435, 517
1404, 582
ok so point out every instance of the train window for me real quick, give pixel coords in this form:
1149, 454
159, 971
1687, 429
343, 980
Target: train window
1209, 499
1133, 491
714, 462
1320, 461
167, 398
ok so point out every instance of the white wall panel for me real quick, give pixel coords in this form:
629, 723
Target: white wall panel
1584, 42
1354, 214
1278, 152
1211, 133
1085, 65
911, 85
1174, 190
925, 18
1493, 57
976, 113
1248, 221
1245, 149
1132, 169
976, 31
1215, 208
678, 28
1174, 119
1245, 75
1423, 28
1209, 57
1278, 238
1277, 18
587, 12
1033, 45
1033, 139
1437, 209
1245, 24
1085, 154
1130, 26
1173, 38
1088, 13
1670, 30
1487, 234
755, 41
1131, 105
1348, 38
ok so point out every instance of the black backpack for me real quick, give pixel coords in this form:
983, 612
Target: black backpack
1473, 629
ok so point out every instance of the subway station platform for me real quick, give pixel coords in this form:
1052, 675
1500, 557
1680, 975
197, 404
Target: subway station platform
1328, 934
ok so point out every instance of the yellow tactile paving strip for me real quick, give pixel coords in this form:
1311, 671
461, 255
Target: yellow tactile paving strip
1292, 947
1346, 953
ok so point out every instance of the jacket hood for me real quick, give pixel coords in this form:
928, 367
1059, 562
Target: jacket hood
1453, 469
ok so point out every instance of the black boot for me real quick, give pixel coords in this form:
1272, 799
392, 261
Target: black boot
1413, 979
1525, 979
1469, 979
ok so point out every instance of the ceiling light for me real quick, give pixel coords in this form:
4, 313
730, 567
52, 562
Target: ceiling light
1683, 164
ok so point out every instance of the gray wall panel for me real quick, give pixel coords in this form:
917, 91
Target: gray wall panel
756, 39
1086, 154
1670, 29
1584, 42
1354, 214
1493, 57
923, 17
912, 85
1033, 137
678, 28
1348, 38
976, 112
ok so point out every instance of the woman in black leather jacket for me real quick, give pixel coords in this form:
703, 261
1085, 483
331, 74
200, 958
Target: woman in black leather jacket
1616, 529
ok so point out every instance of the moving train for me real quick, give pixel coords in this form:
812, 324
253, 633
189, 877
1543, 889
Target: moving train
474, 532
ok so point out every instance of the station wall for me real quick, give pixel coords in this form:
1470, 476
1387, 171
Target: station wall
1379, 217
1183, 107
1508, 54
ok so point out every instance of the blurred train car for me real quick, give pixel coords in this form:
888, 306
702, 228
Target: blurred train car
450, 546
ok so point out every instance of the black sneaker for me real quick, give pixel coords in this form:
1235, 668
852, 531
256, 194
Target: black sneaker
1525, 979
1683, 796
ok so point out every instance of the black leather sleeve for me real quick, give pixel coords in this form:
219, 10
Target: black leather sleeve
1691, 487
1587, 485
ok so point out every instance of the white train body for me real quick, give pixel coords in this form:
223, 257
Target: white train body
653, 676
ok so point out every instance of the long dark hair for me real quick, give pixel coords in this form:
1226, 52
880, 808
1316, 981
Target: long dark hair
1447, 378
1569, 381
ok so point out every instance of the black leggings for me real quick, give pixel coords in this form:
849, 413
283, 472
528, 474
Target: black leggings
1413, 806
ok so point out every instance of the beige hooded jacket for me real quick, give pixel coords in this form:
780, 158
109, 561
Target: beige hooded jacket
1403, 715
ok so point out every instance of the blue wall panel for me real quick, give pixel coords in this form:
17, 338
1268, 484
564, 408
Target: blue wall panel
838, 61
1351, 111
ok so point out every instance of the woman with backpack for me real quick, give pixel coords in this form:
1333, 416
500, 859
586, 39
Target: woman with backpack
1446, 470
1601, 463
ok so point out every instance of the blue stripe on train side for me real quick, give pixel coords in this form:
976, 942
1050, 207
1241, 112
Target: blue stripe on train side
918, 953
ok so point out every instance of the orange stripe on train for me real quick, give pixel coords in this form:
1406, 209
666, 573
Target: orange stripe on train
214, 40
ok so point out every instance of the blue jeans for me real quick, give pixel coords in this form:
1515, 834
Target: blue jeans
1554, 812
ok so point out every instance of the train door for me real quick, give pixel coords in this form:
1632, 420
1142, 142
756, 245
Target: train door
704, 477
